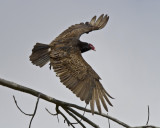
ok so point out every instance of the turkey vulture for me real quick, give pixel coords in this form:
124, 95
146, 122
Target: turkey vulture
64, 55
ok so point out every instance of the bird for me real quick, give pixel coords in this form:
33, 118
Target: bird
65, 56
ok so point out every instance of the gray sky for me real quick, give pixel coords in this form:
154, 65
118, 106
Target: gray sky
126, 58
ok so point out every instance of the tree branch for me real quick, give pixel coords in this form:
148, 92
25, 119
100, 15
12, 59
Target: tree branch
65, 105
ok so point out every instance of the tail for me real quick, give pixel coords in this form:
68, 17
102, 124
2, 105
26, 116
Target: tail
40, 54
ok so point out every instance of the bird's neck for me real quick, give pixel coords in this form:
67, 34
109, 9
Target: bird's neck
84, 47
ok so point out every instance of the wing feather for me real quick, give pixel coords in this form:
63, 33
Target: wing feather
99, 20
97, 99
106, 98
92, 101
92, 22
80, 93
104, 22
87, 95
75, 31
84, 94
102, 99
78, 88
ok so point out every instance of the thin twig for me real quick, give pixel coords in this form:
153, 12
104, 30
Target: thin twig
34, 113
72, 115
20, 108
53, 114
57, 110
148, 116
108, 122
84, 111
26, 113
83, 117
65, 118
50, 112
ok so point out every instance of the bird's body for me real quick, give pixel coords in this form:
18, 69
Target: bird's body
64, 54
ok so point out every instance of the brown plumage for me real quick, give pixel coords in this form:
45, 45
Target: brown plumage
64, 54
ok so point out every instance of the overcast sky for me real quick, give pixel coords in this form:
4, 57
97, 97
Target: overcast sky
126, 58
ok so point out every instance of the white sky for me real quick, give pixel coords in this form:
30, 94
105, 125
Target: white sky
126, 58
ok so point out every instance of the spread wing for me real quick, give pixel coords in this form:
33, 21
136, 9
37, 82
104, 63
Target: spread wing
77, 75
78, 29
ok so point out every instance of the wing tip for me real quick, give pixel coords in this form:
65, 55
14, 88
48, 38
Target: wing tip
100, 97
100, 22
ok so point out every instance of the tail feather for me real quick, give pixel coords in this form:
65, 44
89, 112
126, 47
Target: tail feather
40, 54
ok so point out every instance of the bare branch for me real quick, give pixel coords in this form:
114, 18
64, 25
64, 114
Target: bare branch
65, 105
53, 100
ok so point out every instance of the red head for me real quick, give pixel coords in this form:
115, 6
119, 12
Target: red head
84, 46
92, 47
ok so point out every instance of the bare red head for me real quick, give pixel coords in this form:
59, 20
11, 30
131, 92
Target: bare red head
92, 47
84, 46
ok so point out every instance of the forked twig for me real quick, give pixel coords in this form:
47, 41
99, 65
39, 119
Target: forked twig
35, 110
59, 112
82, 117
20, 108
72, 115
34, 113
